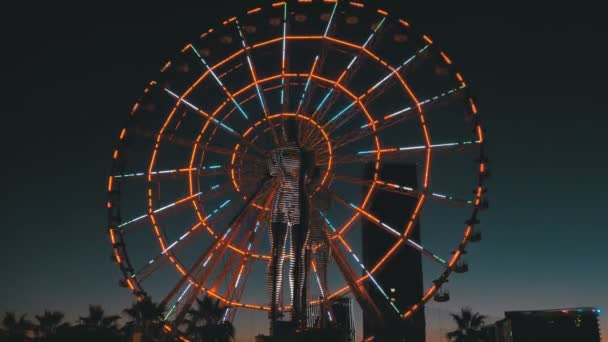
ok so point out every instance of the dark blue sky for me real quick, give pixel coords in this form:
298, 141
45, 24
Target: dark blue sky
538, 72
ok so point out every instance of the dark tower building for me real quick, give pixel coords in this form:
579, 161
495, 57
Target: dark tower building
401, 277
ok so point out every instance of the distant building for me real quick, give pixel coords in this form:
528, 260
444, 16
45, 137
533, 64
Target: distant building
336, 321
562, 325
342, 309
405, 287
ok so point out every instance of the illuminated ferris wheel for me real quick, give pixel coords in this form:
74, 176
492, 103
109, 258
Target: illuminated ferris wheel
191, 198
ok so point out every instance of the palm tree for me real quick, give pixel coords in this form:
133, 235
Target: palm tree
50, 323
469, 326
205, 322
98, 320
14, 329
146, 318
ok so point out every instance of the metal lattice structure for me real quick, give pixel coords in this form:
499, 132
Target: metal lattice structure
360, 86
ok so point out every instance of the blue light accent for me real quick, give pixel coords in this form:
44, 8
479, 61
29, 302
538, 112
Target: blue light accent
224, 204
324, 99
223, 125
342, 111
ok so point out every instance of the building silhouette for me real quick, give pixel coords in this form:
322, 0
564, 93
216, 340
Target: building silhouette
401, 277
334, 318
562, 325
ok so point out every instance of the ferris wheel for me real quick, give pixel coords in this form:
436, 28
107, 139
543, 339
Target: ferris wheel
191, 199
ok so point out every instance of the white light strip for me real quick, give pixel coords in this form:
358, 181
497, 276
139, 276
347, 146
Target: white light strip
217, 79
330, 20
362, 266
155, 211
179, 99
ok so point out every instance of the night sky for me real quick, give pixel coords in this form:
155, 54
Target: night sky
70, 74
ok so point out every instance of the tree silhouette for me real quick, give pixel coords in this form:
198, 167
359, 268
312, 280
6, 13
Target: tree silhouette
50, 323
146, 318
469, 326
98, 320
14, 329
204, 323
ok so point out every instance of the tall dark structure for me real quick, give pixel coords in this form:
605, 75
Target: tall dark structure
562, 325
342, 308
402, 276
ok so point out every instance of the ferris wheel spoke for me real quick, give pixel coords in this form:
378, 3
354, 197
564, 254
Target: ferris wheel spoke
182, 242
255, 81
201, 262
248, 243
221, 249
391, 153
303, 97
206, 256
358, 261
328, 101
319, 61
427, 105
285, 86
221, 85
403, 190
235, 292
375, 91
404, 68
210, 170
245, 245
231, 131
188, 143
427, 253
397, 117
360, 292
305, 91
392, 231
161, 209
354, 63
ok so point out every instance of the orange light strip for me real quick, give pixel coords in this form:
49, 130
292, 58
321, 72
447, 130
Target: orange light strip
479, 134
255, 10
112, 237
383, 12
277, 4
428, 40
117, 255
404, 23
473, 106
446, 58
357, 4
166, 66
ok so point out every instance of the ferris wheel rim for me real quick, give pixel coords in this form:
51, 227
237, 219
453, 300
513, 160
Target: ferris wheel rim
455, 258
